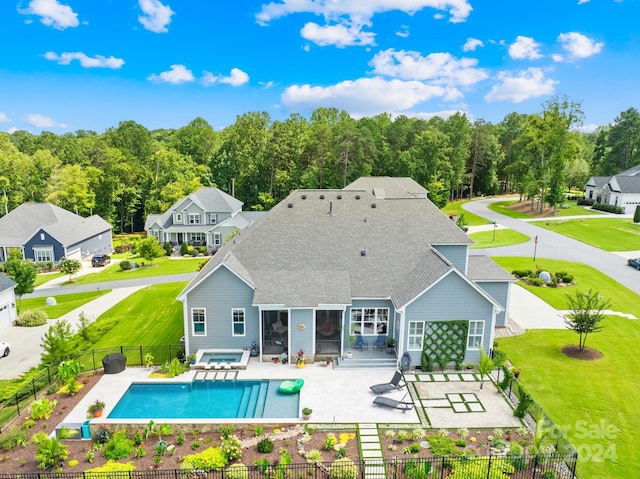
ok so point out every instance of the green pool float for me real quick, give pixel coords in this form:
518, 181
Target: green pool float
291, 387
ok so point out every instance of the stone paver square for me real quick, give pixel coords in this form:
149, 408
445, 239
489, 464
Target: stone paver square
475, 407
424, 377
455, 397
439, 377
454, 377
459, 407
468, 377
436, 403
470, 397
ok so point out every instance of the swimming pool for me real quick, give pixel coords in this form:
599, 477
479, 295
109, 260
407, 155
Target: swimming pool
206, 400
209, 358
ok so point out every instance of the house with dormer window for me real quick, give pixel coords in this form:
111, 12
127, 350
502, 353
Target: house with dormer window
204, 218
621, 190
338, 272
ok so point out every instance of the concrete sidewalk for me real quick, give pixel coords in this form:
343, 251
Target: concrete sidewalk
26, 349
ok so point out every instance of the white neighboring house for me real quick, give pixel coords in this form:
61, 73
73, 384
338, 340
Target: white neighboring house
8, 311
621, 190
204, 218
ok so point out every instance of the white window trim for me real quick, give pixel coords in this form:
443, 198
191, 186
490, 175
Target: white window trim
469, 336
42, 249
217, 239
178, 217
194, 216
193, 324
409, 336
233, 323
376, 322
213, 218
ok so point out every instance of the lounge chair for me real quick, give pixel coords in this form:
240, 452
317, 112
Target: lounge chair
361, 342
404, 406
395, 383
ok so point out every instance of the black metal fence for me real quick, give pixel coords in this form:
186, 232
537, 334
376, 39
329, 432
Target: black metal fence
90, 361
515, 466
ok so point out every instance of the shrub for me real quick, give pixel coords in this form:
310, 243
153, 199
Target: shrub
42, 408
211, 459
184, 249
461, 443
415, 447
441, 446
524, 402
549, 474
585, 202
167, 248
232, 448
12, 438
33, 317
314, 456
636, 215
343, 468
535, 282
103, 472
125, 265
123, 248
330, 442
522, 273
265, 445
237, 471
567, 278
118, 447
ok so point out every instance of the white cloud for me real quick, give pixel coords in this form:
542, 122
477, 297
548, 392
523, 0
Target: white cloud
526, 84
39, 121
13, 129
577, 46
236, 78
358, 10
265, 85
471, 44
3, 117
156, 15
176, 75
341, 35
524, 48
98, 61
580, 2
441, 68
588, 128
365, 96
52, 13
404, 33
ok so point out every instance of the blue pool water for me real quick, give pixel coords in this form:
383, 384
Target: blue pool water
221, 358
207, 400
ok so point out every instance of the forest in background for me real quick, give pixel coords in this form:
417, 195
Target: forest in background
128, 171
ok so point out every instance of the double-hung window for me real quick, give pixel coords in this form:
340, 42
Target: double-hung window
217, 239
416, 335
194, 218
369, 321
476, 331
213, 218
238, 324
198, 321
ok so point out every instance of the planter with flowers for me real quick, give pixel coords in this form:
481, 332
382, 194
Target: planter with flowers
300, 361
95, 409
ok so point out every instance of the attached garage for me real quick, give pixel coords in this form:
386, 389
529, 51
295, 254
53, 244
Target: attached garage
7, 302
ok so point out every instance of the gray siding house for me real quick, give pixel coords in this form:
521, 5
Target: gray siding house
621, 190
372, 261
45, 232
204, 218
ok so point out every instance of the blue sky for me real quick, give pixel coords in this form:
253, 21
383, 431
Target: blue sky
89, 64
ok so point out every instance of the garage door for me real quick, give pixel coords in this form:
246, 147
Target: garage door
75, 254
5, 318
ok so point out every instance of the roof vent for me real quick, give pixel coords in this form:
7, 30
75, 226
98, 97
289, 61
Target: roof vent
304, 197
357, 197
322, 197
339, 197
363, 252
289, 205
373, 205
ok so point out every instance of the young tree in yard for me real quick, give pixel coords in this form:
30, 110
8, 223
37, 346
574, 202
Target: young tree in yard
485, 365
23, 273
56, 342
150, 249
70, 266
636, 215
586, 314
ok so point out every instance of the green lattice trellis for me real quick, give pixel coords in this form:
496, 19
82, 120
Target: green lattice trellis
445, 342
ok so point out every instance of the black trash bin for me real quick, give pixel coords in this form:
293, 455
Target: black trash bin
114, 363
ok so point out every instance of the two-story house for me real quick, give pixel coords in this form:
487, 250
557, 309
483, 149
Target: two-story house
204, 218
372, 261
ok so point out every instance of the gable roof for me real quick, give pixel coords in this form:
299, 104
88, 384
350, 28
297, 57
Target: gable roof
624, 184
482, 268
17, 227
6, 282
209, 200
329, 246
382, 187
598, 181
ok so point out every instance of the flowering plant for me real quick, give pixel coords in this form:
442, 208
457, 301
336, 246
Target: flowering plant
300, 358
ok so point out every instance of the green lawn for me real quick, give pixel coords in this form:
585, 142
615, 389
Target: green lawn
161, 266
455, 208
151, 316
503, 237
503, 207
609, 234
596, 401
65, 302
45, 278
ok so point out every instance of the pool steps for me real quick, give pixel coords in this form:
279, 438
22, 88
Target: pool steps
215, 375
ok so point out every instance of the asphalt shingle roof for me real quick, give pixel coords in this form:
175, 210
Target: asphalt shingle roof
483, 268
6, 282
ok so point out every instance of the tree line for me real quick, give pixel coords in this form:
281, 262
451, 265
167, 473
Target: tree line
128, 171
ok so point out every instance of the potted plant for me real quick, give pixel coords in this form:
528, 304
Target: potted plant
391, 343
300, 361
306, 412
95, 409
192, 359
324, 362
516, 372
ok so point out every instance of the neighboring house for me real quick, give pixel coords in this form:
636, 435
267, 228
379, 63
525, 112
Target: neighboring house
204, 218
621, 190
376, 259
8, 312
45, 232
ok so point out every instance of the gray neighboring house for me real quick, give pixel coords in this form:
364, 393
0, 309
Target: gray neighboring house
621, 190
204, 218
372, 261
8, 311
45, 232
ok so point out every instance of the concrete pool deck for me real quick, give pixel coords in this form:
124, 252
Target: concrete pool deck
340, 396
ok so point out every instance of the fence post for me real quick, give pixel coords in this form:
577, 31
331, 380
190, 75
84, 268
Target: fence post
93, 359
17, 403
489, 468
141, 363
35, 393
